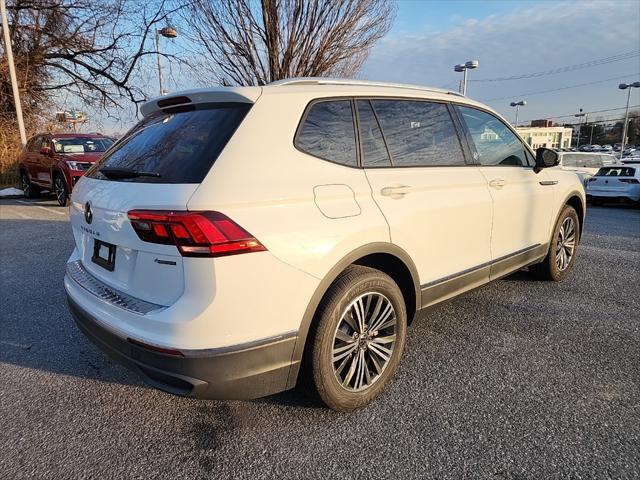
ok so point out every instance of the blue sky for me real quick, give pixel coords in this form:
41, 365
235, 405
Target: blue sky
508, 38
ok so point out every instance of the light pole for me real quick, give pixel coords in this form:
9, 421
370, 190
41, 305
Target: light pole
591, 136
519, 104
463, 67
166, 32
626, 86
12, 73
586, 120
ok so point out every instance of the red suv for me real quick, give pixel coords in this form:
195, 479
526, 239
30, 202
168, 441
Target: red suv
55, 161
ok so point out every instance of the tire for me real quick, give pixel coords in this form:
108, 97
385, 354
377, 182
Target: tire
61, 190
557, 265
356, 378
29, 189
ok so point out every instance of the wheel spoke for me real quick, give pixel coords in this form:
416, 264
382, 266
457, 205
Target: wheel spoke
381, 351
383, 340
341, 352
348, 318
340, 335
382, 318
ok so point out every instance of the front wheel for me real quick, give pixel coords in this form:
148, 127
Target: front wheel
562, 248
357, 340
61, 191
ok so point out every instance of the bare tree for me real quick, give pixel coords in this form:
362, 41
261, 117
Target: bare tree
91, 49
253, 42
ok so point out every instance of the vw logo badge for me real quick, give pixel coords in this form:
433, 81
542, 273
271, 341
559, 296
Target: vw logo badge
88, 214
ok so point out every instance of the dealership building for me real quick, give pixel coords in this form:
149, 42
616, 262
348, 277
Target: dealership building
546, 136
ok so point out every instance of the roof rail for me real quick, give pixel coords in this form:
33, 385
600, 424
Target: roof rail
340, 81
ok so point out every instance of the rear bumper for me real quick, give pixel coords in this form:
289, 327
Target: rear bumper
612, 197
240, 372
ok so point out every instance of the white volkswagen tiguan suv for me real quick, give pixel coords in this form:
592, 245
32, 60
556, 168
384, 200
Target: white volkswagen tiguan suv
237, 239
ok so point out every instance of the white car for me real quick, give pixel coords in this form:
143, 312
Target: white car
615, 183
584, 164
239, 238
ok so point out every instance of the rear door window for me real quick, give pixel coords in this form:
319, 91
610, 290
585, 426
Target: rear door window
176, 147
419, 133
328, 132
495, 143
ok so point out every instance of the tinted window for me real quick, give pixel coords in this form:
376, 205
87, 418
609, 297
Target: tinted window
419, 133
328, 132
35, 144
593, 161
81, 144
374, 151
181, 147
616, 172
495, 143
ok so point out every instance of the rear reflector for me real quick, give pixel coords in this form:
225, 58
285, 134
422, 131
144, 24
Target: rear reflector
196, 234
166, 351
629, 180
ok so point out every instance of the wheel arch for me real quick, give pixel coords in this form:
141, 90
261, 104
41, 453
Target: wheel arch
575, 200
386, 257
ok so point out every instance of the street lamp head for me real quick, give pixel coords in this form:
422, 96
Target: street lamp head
623, 86
513, 104
635, 84
460, 67
168, 32
521, 103
471, 64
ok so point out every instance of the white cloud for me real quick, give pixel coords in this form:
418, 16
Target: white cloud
538, 38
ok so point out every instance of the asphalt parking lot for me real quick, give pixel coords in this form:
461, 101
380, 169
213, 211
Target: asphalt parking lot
517, 380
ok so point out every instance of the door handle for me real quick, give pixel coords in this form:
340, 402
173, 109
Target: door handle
497, 183
397, 191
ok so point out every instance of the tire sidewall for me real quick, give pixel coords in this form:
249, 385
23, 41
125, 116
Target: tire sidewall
556, 273
328, 387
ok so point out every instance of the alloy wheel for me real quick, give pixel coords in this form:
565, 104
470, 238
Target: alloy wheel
364, 341
566, 243
59, 188
25, 184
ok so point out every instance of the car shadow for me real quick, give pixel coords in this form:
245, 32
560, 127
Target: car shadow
36, 329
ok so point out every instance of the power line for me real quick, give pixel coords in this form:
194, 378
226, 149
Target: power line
568, 68
540, 92
584, 113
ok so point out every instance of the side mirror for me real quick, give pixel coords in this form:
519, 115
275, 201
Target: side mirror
546, 158
46, 151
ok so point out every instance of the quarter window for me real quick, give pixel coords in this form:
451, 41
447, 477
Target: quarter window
419, 133
495, 143
328, 132
374, 151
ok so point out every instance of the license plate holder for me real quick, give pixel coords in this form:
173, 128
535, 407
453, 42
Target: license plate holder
104, 254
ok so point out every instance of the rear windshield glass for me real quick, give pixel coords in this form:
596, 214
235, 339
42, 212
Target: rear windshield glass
176, 147
81, 144
616, 172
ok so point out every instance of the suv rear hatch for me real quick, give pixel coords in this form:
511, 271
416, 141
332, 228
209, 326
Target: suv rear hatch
157, 166
614, 179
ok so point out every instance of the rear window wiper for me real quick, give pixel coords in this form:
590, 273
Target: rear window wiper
113, 172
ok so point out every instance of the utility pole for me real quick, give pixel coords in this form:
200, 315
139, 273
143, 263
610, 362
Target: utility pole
580, 115
12, 73
626, 86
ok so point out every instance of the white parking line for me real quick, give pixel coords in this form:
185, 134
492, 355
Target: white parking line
57, 212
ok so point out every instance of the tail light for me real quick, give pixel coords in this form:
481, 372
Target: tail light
629, 180
196, 234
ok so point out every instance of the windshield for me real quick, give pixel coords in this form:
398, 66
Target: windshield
81, 144
176, 147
